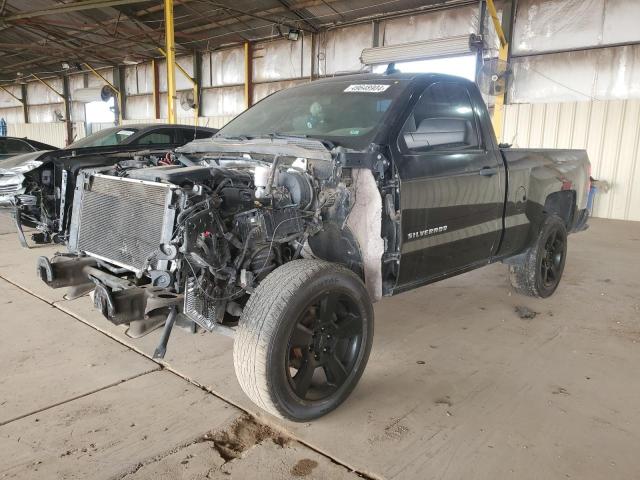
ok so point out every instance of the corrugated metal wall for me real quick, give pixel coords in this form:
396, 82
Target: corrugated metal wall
608, 130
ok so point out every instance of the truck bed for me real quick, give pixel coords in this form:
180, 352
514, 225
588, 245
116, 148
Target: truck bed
539, 181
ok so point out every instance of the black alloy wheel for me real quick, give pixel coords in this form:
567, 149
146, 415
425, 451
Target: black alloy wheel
538, 274
304, 339
323, 346
552, 259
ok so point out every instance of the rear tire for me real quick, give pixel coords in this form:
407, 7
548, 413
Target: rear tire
304, 339
540, 272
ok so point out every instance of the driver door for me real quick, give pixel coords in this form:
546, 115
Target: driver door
452, 187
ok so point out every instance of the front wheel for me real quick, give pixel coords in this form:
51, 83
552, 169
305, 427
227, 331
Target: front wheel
540, 272
304, 339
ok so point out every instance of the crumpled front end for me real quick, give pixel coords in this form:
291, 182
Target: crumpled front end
194, 242
11, 185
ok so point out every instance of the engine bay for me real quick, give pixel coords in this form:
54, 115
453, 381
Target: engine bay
206, 233
194, 233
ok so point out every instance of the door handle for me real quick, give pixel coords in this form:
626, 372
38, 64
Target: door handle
488, 171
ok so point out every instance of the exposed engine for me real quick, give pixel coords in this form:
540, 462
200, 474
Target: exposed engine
234, 225
201, 237
194, 237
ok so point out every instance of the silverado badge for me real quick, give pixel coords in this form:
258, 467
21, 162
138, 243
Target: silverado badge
426, 232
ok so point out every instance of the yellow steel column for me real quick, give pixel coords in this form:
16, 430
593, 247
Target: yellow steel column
193, 82
503, 54
170, 49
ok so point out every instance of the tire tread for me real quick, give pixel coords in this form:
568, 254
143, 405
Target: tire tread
523, 275
259, 324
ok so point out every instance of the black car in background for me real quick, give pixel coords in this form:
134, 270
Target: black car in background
11, 146
143, 135
38, 186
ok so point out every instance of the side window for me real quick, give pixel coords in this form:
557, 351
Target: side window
443, 119
190, 134
204, 134
157, 137
17, 146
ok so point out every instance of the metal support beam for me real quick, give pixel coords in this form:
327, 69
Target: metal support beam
503, 54
194, 82
22, 100
65, 98
508, 19
156, 88
120, 82
69, 7
375, 41
113, 87
197, 85
25, 102
314, 57
61, 95
11, 94
482, 15
67, 108
170, 49
248, 75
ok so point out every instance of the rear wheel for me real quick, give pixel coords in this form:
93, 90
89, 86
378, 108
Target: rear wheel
304, 339
540, 272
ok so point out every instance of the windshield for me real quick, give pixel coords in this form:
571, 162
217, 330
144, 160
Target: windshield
103, 138
347, 113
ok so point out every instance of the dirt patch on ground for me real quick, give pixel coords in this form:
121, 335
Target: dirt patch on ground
242, 435
304, 467
446, 400
243, 450
560, 391
225, 445
525, 313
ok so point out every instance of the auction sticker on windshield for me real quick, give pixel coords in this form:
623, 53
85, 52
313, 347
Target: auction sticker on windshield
367, 88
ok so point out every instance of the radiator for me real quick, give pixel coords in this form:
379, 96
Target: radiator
120, 220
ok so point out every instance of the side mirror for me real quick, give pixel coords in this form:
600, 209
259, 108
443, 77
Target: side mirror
433, 132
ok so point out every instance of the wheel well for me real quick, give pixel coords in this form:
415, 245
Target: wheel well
338, 245
561, 204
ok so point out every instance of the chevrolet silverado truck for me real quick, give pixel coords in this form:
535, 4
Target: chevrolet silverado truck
285, 227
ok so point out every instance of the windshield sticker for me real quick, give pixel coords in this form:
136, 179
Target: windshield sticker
367, 88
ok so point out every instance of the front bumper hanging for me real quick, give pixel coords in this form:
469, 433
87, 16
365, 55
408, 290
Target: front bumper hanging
119, 300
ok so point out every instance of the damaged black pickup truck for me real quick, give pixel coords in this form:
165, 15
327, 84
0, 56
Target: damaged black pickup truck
286, 226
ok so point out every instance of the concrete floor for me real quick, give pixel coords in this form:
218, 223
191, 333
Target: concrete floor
458, 385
